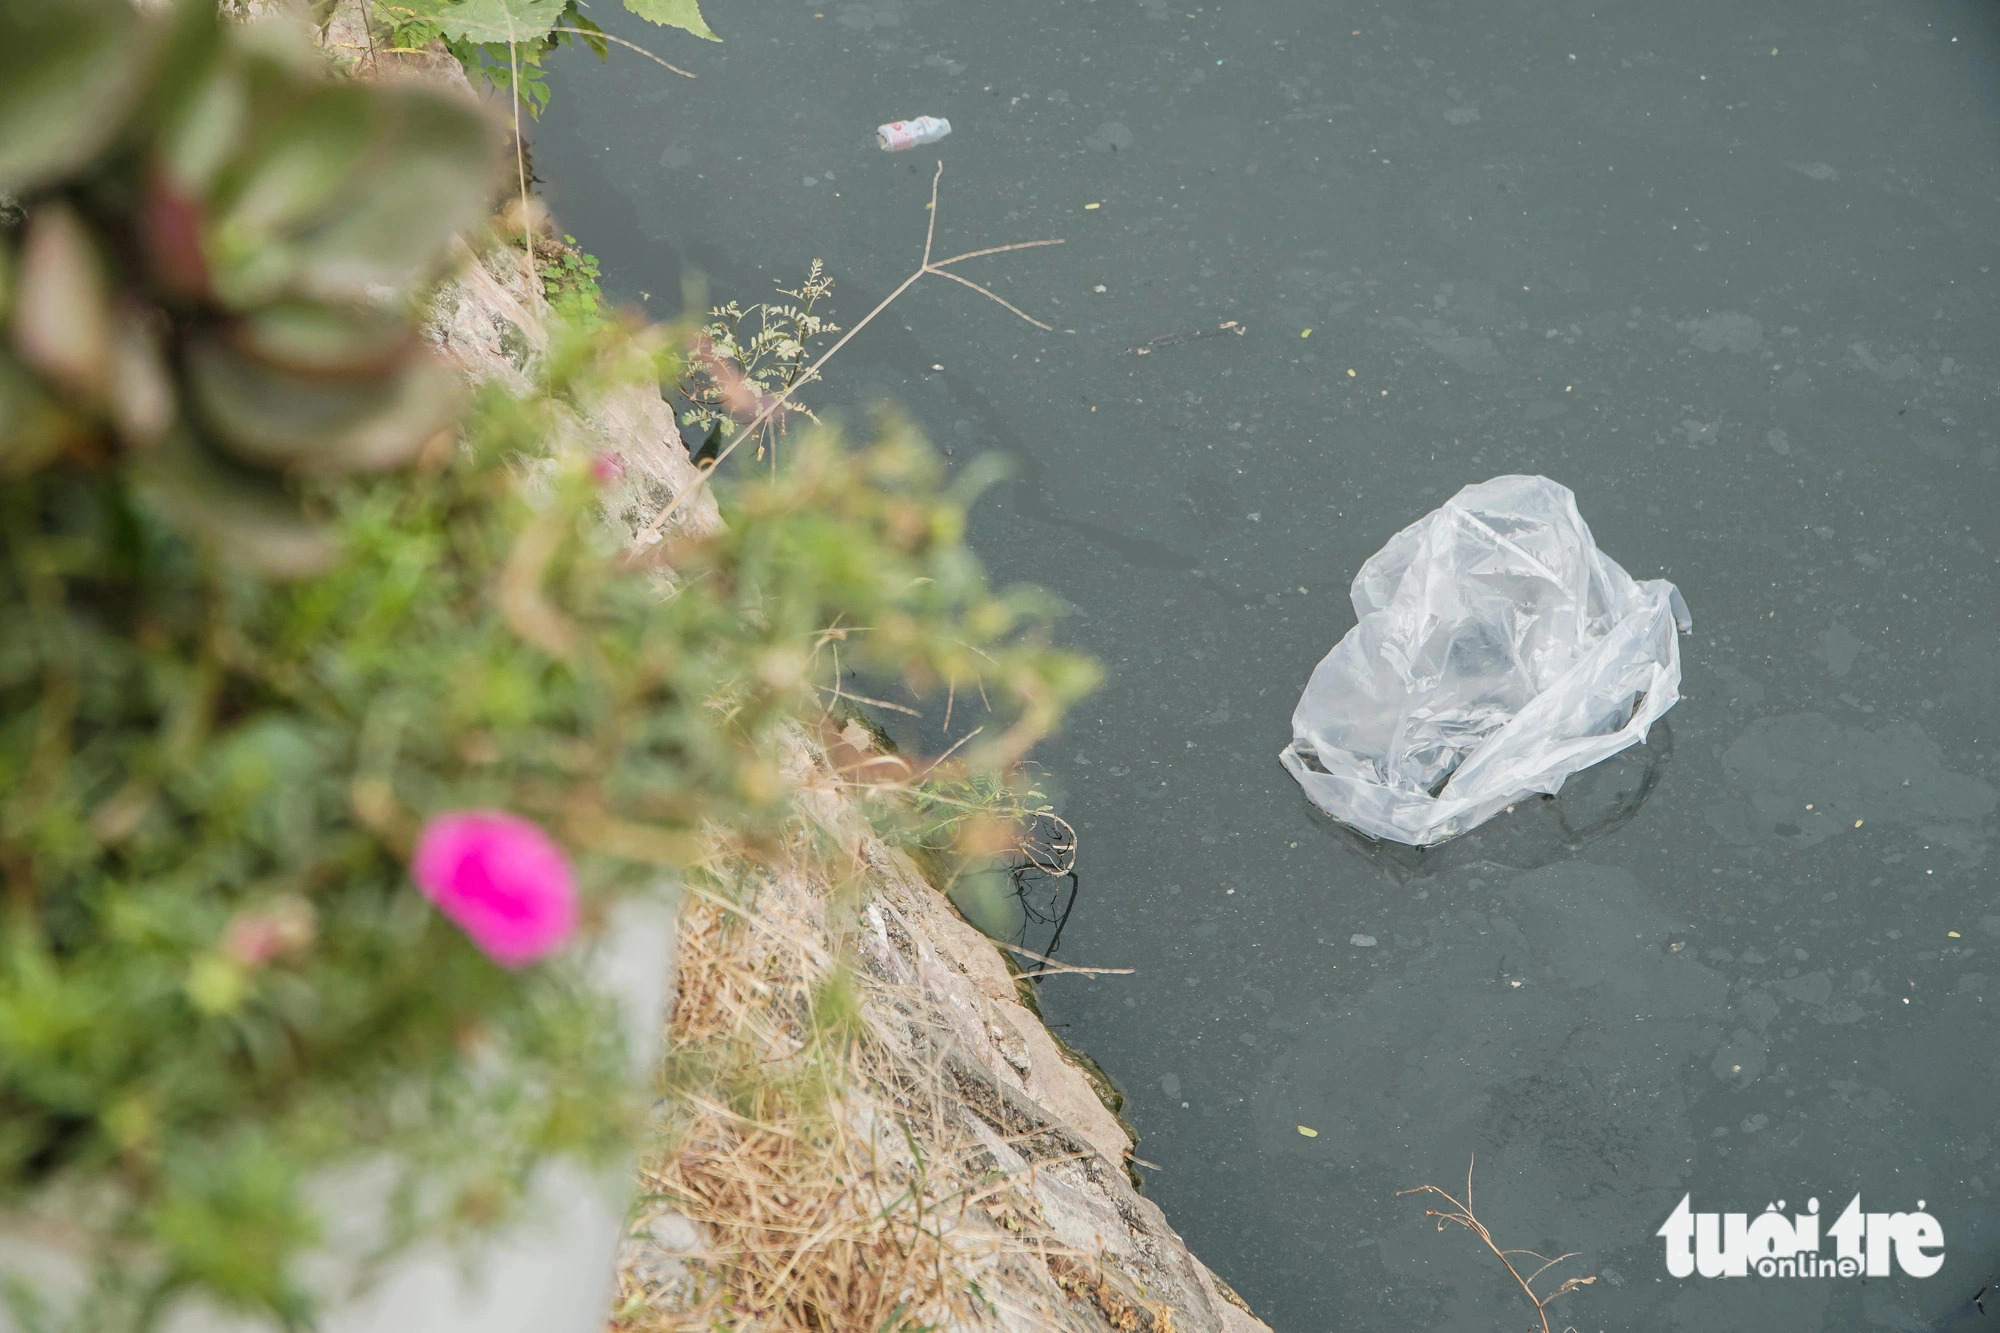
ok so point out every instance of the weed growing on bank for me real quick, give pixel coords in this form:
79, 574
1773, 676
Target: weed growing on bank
570, 277
774, 404
736, 372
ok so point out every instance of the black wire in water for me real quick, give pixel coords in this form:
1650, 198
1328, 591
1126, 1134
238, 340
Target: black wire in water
1044, 884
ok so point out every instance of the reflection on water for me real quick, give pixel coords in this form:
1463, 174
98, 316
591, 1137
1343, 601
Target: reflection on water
1540, 830
1541, 1020
1027, 897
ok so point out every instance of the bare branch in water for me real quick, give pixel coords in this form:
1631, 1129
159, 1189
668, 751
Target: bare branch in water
928, 265
1461, 1214
1050, 967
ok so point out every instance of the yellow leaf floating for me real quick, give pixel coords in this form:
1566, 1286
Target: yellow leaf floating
1308, 1132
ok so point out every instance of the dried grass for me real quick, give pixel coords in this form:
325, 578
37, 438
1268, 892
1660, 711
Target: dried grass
819, 1211
840, 1169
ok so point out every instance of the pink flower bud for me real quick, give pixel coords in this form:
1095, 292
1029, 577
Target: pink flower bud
501, 880
276, 929
607, 468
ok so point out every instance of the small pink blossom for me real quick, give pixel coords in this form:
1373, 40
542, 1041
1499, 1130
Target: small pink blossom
271, 932
501, 880
607, 468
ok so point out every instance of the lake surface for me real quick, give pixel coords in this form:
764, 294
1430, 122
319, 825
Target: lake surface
1723, 270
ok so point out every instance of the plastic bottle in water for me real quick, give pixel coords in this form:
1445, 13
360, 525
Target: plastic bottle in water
900, 134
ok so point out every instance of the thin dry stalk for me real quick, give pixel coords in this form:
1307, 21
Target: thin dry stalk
1461, 1214
837, 693
1053, 968
514, 98
602, 36
950, 750
928, 265
1053, 853
520, 149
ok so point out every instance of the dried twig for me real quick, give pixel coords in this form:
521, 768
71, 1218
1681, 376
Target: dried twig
836, 692
520, 150
601, 36
1461, 1214
953, 748
1171, 339
1051, 967
777, 402
1060, 857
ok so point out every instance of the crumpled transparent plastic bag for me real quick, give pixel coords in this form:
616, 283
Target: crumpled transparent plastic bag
1498, 652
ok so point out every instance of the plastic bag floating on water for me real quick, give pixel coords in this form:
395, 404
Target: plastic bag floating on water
1498, 652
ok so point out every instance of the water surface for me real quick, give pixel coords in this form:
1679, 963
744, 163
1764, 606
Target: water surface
1723, 270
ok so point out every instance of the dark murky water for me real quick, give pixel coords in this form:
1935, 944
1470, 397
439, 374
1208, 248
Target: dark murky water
1724, 271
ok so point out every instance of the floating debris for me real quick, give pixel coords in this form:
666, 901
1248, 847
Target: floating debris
898, 135
1171, 339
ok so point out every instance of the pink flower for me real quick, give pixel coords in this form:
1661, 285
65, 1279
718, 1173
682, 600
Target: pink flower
501, 880
271, 932
607, 468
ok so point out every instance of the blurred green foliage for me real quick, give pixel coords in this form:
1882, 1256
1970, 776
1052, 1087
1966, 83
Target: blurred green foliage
505, 42
209, 284
570, 280
958, 822
264, 616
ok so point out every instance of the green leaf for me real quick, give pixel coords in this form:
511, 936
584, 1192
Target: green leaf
32, 426
592, 35
62, 322
317, 421
352, 189
683, 14
246, 516
206, 129
315, 338
68, 74
302, 168
503, 21
432, 162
